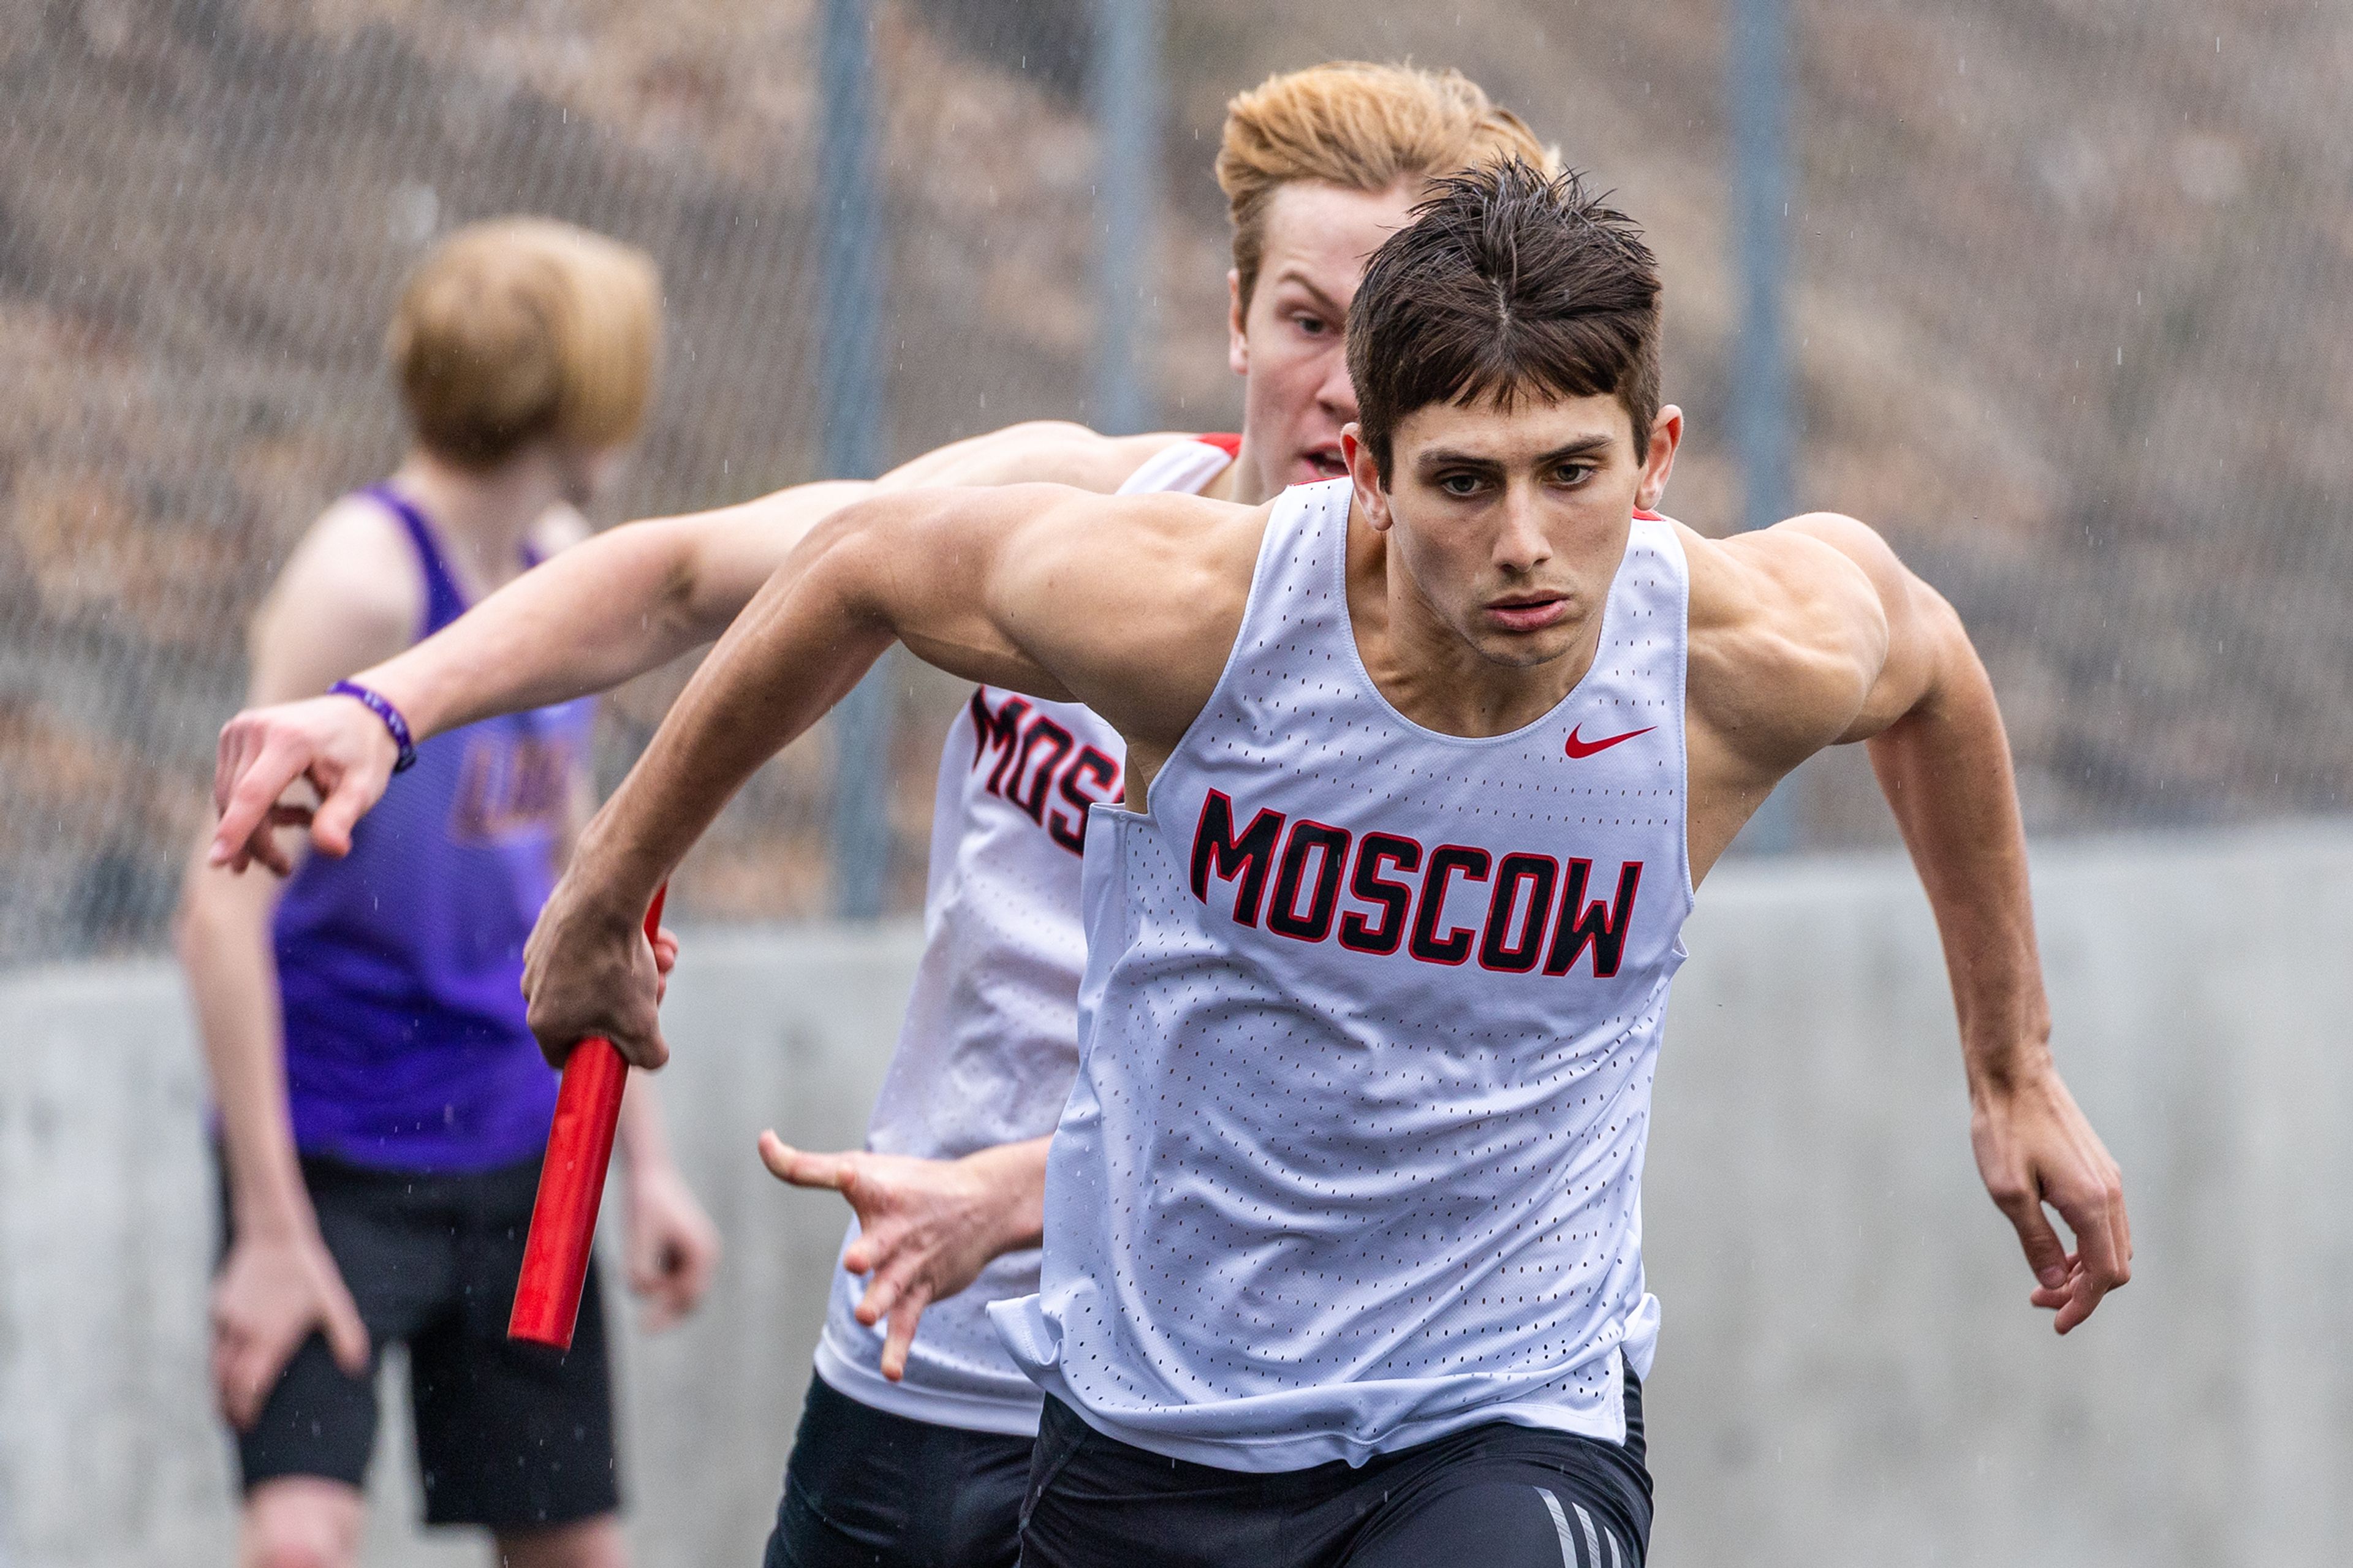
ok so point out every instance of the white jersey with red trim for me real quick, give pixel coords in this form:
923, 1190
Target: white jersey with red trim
990, 1041
1355, 1154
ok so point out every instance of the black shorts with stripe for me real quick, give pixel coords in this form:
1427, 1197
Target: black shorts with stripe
1500, 1496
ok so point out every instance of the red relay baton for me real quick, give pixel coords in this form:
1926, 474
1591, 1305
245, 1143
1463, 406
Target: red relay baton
571, 1185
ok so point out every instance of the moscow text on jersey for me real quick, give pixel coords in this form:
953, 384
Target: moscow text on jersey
1404, 888
1040, 767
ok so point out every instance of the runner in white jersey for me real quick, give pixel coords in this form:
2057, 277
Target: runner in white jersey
1342, 1238
990, 1041
1461, 947
1319, 165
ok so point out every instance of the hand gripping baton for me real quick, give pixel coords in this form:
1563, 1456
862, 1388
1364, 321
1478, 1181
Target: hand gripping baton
572, 1185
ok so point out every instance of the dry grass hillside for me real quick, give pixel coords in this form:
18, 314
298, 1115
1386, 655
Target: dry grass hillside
2063, 271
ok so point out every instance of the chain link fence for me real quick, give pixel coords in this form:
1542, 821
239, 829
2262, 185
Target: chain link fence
205, 210
2061, 325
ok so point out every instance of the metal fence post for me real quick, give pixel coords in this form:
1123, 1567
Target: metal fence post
856, 437
1125, 84
1761, 423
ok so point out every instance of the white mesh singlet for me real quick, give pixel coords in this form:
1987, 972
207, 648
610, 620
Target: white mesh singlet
1354, 1158
990, 1040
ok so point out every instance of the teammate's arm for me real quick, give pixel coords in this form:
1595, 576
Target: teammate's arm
1040, 451
351, 594
624, 602
1127, 604
1877, 656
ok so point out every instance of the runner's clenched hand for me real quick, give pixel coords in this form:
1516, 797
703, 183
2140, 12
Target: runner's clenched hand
586, 974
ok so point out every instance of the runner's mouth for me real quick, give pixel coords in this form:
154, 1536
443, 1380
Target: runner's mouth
1529, 614
1327, 463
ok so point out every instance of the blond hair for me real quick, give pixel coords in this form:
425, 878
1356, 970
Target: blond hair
1362, 127
521, 328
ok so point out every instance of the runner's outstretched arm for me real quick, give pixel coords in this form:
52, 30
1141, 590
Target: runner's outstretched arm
626, 602
1938, 745
1127, 604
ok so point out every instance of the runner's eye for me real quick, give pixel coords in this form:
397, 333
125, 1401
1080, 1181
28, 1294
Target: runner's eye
1573, 474
1312, 326
1459, 484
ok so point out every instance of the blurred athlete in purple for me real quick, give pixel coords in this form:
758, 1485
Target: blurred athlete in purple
382, 1107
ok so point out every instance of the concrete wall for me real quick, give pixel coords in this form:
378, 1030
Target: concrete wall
1849, 1372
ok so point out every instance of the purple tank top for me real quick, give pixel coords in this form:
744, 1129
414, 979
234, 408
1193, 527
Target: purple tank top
400, 966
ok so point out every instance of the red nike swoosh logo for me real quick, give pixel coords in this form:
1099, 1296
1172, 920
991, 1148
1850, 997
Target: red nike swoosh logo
1577, 748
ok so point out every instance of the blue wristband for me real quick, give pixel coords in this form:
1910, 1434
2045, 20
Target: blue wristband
376, 704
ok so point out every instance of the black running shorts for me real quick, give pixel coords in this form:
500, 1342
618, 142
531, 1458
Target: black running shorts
1498, 1496
508, 1436
865, 1489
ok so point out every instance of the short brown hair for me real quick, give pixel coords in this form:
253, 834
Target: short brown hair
1509, 282
521, 328
1362, 127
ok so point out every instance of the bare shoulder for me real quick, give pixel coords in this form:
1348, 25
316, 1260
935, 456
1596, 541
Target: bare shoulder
354, 562
1139, 599
1042, 451
1788, 633
1127, 604
352, 594
1170, 545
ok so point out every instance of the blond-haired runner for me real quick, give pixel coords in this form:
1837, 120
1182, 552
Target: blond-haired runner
1343, 1244
382, 1107
913, 1449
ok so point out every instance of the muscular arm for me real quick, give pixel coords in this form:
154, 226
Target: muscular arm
1042, 451
1129, 604
1857, 648
640, 594
622, 603
1936, 743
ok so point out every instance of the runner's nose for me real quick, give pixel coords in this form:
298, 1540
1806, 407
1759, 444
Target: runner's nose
1337, 393
1520, 544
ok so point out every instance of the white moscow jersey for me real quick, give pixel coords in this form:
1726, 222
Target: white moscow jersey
1355, 1154
990, 1040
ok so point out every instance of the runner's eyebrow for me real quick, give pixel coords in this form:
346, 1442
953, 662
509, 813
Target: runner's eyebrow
1583, 447
1323, 301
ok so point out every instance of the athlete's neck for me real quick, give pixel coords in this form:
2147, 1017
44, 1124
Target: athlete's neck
482, 519
1244, 482
1426, 670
